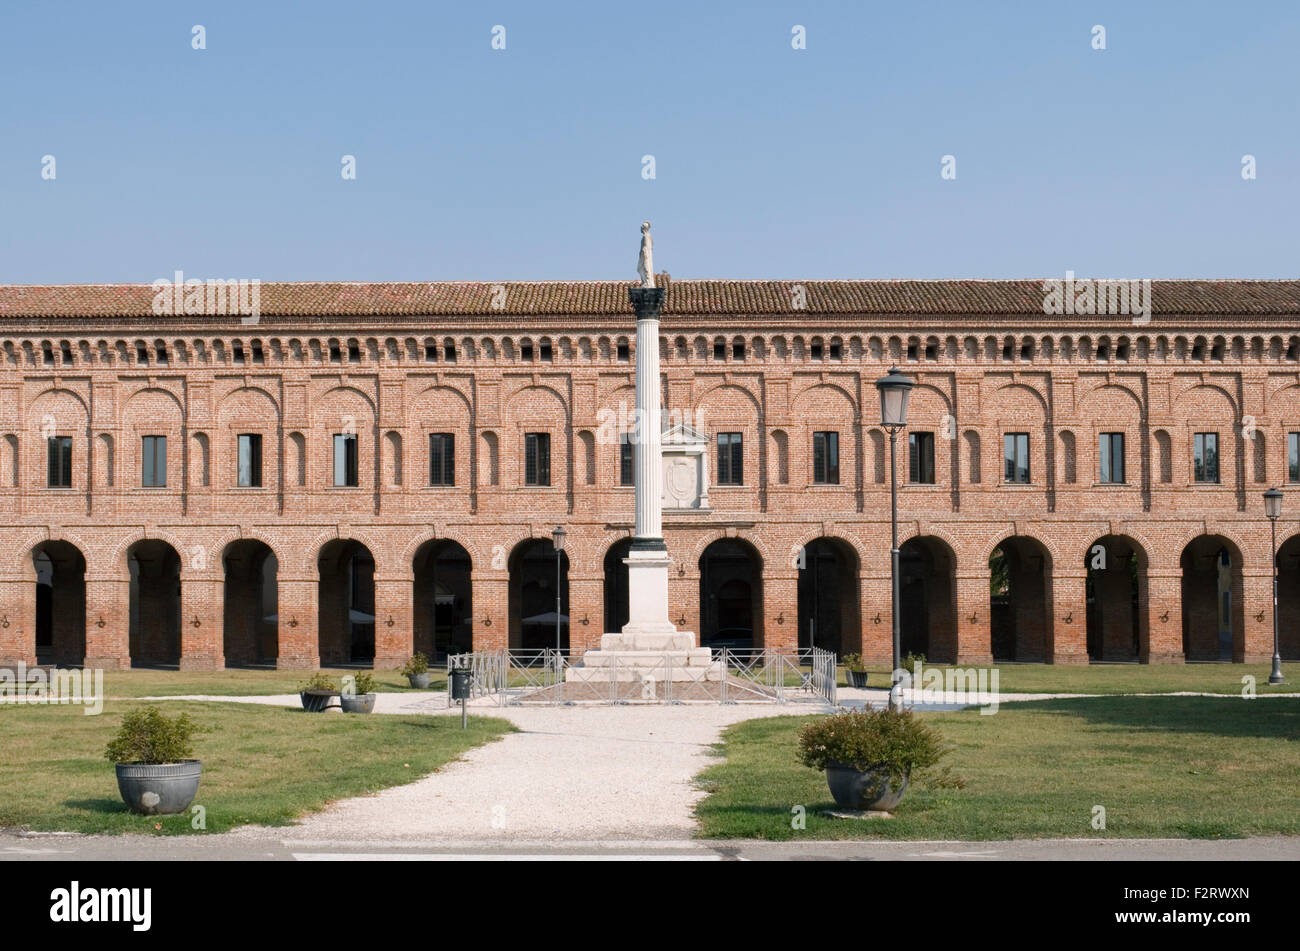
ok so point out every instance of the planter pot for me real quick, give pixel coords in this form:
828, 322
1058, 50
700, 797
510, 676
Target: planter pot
856, 678
315, 701
360, 703
868, 790
419, 681
159, 790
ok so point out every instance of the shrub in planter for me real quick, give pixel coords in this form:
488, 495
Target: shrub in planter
871, 756
361, 697
153, 755
316, 692
855, 670
416, 671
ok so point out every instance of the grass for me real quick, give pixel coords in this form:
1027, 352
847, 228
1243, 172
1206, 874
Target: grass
1179, 767
240, 682
1122, 678
261, 764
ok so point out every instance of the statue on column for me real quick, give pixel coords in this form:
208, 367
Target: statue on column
645, 265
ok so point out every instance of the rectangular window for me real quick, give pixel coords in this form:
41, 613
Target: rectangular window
345, 459
1205, 457
153, 468
826, 458
920, 447
537, 459
1293, 457
442, 459
58, 454
250, 460
625, 457
1016, 454
731, 457
1110, 457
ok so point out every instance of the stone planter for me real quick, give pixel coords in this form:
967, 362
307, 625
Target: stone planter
315, 701
856, 678
359, 703
159, 789
864, 791
419, 681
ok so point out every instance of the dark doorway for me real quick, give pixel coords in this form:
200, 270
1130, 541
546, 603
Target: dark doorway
731, 595
1213, 617
346, 603
1020, 600
1115, 589
532, 596
60, 604
444, 605
616, 603
927, 600
155, 609
251, 622
829, 608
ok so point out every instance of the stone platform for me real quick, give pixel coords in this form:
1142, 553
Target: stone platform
642, 657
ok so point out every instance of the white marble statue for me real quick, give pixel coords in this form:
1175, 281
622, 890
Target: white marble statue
644, 264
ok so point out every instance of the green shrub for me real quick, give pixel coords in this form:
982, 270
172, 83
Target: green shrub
853, 662
867, 739
418, 664
318, 681
911, 660
363, 682
148, 736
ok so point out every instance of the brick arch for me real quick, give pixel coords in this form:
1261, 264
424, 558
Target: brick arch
814, 387
854, 544
23, 550
1042, 400
476, 557
357, 534
455, 391
229, 539
946, 398
733, 386
1100, 387
60, 391
954, 547
1047, 543
1125, 531
118, 558
1232, 400
346, 388
764, 554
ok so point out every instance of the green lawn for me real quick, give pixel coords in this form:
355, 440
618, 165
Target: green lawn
1125, 678
1181, 767
261, 764
240, 683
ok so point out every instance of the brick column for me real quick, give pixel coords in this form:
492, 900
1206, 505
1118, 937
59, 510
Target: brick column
17, 622
108, 627
202, 603
491, 610
684, 600
1257, 601
780, 609
394, 632
1068, 637
586, 600
1164, 603
298, 647
877, 619
974, 633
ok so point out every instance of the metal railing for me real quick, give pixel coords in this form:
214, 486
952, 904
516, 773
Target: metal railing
548, 676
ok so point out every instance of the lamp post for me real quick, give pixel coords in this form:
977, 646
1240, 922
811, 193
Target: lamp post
895, 389
1273, 509
557, 542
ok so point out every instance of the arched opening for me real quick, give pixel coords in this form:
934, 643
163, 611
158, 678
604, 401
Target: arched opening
250, 616
60, 604
1020, 600
533, 617
731, 595
444, 605
346, 603
616, 600
828, 597
1213, 618
927, 599
1288, 598
1116, 598
154, 635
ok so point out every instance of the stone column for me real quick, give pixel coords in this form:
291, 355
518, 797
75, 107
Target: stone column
648, 561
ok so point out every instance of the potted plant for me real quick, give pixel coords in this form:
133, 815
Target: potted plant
855, 670
359, 696
317, 691
416, 671
871, 756
157, 774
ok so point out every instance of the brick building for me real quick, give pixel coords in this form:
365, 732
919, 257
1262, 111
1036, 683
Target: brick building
369, 469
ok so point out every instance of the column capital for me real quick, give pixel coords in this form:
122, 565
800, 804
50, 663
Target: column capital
646, 301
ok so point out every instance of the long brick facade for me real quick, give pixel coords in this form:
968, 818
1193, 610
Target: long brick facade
297, 571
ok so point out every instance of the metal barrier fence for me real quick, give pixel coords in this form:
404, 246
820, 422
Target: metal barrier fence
759, 675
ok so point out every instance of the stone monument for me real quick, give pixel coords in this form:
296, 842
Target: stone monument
649, 647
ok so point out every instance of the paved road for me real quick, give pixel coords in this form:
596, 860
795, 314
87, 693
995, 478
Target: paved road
244, 847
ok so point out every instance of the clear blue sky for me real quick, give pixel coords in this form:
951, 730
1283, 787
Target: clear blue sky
476, 164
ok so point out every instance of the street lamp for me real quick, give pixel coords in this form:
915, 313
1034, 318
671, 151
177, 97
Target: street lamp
557, 541
895, 390
1273, 509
